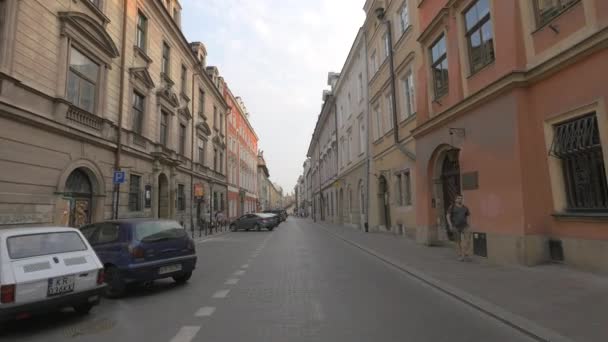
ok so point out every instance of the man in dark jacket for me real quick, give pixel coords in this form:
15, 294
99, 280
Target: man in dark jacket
457, 217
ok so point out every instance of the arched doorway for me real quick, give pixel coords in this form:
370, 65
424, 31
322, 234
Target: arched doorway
385, 215
163, 196
79, 193
450, 181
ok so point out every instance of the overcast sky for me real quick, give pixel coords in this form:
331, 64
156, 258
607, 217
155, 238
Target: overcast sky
276, 54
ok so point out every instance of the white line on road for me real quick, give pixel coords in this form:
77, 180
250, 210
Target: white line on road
245, 266
221, 294
231, 281
186, 334
239, 273
205, 311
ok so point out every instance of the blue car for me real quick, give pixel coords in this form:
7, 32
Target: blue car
141, 251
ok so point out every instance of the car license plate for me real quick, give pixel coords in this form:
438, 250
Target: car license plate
170, 269
61, 285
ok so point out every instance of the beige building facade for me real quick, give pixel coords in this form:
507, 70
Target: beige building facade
391, 32
87, 88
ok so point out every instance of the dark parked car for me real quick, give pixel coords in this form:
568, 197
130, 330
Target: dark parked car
141, 251
279, 212
254, 221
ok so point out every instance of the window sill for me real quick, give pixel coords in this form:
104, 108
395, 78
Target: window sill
437, 99
541, 27
184, 97
378, 141
167, 79
404, 34
141, 53
407, 120
481, 69
581, 216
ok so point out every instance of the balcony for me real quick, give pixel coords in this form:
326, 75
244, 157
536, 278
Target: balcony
84, 118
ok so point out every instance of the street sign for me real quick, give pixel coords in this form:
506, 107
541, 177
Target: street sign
119, 177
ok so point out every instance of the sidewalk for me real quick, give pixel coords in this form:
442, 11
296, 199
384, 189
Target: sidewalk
549, 302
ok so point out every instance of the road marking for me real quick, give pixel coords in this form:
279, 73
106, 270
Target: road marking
245, 266
239, 273
221, 294
186, 334
231, 281
205, 311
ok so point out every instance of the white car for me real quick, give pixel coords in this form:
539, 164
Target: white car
45, 269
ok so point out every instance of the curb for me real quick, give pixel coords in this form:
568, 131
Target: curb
517, 322
209, 237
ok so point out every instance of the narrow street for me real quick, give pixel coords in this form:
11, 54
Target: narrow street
298, 283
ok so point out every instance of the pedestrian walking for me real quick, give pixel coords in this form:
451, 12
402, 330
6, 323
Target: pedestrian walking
458, 221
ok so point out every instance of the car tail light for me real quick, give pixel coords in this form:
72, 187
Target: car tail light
136, 252
7, 294
101, 276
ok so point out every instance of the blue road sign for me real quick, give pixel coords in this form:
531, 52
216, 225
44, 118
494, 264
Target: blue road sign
119, 177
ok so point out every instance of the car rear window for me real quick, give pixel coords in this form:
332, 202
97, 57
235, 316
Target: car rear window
32, 245
158, 230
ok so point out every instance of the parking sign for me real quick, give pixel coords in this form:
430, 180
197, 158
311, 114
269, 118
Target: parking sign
119, 177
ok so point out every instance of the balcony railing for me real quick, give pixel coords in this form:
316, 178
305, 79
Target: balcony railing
84, 118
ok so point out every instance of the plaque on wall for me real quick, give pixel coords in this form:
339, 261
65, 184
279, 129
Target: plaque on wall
470, 181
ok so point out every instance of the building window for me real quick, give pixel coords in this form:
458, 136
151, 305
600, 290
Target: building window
181, 197
221, 162
404, 18
480, 36
360, 87
577, 144
361, 136
373, 67
546, 10
222, 123
201, 102
165, 66
378, 125
184, 79
389, 116
134, 193
215, 117
182, 139
404, 186
164, 128
138, 112
387, 45
142, 31
349, 143
82, 81
439, 67
201, 151
215, 159
410, 101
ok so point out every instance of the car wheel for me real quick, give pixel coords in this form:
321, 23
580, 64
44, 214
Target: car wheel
270, 229
83, 309
233, 227
116, 285
182, 278
257, 227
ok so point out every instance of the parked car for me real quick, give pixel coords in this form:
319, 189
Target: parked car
254, 221
279, 212
141, 251
45, 269
275, 219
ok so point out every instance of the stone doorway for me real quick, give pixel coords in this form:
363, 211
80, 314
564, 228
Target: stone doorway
385, 210
163, 196
450, 184
79, 194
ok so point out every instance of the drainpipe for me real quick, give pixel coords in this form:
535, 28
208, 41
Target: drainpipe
368, 145
194, 74
380, 13
116, 193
